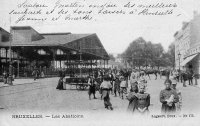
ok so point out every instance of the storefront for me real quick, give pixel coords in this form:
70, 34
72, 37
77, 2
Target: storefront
192, 63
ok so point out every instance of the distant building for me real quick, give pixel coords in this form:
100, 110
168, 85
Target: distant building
187, 45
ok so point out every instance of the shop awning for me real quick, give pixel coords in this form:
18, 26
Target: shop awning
188, 59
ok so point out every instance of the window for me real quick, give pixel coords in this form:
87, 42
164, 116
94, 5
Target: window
3, 52
59, 52
41, 52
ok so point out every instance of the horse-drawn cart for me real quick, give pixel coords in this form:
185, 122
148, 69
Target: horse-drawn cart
81, 83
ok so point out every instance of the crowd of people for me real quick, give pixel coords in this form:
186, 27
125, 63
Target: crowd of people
132, 85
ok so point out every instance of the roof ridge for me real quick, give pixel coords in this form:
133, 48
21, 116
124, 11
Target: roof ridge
56, 33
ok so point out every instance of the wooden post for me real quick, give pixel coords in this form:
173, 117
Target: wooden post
107, 63
91, 65
60, 64
6, 55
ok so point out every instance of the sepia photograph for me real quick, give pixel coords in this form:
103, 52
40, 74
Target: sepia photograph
99, 62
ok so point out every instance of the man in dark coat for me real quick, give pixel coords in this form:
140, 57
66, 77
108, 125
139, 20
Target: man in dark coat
117, 86
60, 84
184, 77
92, 87
190, 76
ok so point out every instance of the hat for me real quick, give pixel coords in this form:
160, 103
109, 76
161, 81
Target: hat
168, 81
174, 82
140, 84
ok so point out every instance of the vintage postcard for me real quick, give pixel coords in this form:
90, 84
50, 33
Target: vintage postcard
99, 62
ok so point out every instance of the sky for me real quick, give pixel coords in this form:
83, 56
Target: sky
115, 32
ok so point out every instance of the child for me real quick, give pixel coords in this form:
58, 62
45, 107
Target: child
139, 102
133, 82
179, 103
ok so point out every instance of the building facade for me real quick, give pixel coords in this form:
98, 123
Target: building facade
187, 45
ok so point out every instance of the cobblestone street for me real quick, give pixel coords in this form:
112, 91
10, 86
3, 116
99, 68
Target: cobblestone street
42, 95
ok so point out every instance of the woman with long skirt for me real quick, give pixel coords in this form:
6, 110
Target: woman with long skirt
60, 83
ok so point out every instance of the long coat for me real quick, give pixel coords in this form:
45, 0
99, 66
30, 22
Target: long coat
60, 84
166, 94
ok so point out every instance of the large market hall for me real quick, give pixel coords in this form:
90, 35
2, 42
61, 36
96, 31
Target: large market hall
49, 52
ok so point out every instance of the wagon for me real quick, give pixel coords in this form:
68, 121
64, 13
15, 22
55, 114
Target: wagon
80, 83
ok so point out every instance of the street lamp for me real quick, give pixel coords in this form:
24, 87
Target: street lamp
179, 57
80, 62
10, 60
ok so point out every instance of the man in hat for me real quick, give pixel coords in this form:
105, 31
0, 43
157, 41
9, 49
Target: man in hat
92, 87
168, 98
117, 86
184, 78
123, 89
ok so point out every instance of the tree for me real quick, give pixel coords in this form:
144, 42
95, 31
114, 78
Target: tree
157, 52
142, 53
171, 54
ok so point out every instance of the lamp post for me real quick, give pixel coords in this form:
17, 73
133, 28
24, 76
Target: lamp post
10, 60
179, 59
80, 53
